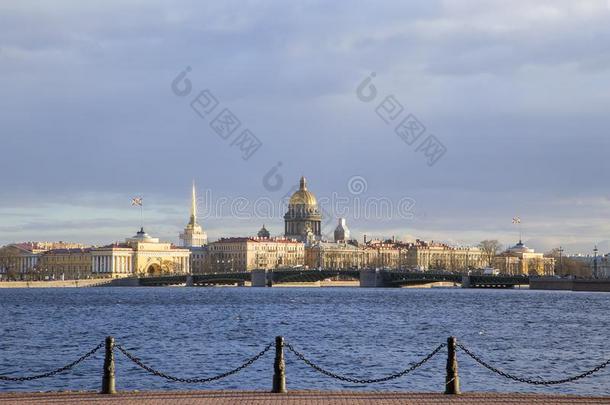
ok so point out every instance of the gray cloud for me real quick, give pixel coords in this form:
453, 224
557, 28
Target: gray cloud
517, 91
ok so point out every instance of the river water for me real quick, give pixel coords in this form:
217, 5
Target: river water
362, 333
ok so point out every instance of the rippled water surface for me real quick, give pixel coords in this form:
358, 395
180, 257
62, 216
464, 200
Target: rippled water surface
199, 332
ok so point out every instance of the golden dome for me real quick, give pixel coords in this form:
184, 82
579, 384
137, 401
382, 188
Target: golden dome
302, 196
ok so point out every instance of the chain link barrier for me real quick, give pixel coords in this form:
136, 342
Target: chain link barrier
158, 373
311, 364
531, 381
365, 381
57, 371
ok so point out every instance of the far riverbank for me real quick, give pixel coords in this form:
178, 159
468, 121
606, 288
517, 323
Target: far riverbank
93, 282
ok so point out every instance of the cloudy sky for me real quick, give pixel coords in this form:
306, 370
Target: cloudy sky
516, 92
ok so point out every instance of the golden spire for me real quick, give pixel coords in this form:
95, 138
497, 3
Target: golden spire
303, 183
194, 206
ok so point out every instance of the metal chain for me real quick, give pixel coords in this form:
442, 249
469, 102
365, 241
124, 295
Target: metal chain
365, 381
57, 371
157, 373
530, 381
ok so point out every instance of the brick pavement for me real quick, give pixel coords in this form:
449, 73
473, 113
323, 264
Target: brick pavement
294, 398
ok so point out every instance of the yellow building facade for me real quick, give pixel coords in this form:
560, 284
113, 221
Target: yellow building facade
140, 255
335, 255
438, 256
65, 264
20, 261
249, 253
521, 260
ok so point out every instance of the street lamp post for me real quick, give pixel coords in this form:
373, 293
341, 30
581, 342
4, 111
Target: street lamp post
595, 261
560, 261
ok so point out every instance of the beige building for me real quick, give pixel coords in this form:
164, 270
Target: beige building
19, 261
426, 256
65, 264
140, 255
248, 253
392, 254
520, 259
198, 259
385, 254
335, 255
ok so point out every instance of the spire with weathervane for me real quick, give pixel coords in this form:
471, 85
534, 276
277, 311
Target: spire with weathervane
193, 234
193, 220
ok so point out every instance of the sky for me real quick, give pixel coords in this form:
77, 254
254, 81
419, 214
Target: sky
104, 101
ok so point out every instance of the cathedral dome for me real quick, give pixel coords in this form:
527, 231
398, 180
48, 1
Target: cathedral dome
303, 196
303, 219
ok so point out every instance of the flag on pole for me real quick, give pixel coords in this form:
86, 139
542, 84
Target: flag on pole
516, 220
136, 201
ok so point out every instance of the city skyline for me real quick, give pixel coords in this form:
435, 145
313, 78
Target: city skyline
253, 216
514, 91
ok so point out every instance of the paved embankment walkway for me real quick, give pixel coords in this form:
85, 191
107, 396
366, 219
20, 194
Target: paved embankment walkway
295, 398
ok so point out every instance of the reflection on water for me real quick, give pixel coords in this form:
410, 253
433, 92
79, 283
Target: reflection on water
198, 332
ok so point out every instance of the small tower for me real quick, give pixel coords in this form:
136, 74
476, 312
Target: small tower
193, 234
341, 232
263, 233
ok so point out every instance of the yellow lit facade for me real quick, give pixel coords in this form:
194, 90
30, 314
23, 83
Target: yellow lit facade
520, 259
140, 255
21, 261
68, 264
249, 253
438, 256
335, 255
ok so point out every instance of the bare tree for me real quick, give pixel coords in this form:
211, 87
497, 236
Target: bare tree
566, 266
8, 263
490, 249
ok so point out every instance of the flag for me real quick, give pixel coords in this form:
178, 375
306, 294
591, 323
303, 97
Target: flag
136, 201
516, 220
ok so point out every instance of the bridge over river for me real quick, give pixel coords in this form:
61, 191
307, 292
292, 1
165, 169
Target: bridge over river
366, 277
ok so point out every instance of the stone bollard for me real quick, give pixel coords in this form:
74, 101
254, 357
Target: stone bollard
279, 368
452, 379
108, 386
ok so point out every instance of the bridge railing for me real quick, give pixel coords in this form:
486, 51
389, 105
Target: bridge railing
452, 379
